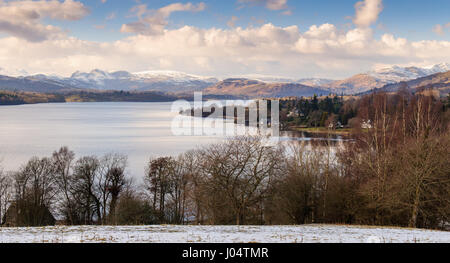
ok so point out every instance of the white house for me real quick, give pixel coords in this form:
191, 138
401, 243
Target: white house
366, 124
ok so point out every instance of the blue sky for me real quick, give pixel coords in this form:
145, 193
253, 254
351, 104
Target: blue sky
291, 38
413, 19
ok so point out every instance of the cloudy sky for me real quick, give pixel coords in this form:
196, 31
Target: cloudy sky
291, 38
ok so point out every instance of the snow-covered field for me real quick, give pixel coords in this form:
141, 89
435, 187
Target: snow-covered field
221, 234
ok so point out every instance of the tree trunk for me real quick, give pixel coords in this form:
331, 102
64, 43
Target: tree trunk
112, 210
415, 210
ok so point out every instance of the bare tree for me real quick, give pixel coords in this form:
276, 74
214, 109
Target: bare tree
195, 191
5, 194
111, 183
85, 194
425, 179
426, 169
63, 161
374, 161
35, 193
158, 183
90, 187
180, 182
242, 169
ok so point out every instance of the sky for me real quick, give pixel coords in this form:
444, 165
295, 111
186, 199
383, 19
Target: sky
289, 38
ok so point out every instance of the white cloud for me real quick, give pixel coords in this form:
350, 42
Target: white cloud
269, 4
367, 12
441, 29
232, 21
322, 51
276, 4
287, 13
438, 29
153, 22
23, 18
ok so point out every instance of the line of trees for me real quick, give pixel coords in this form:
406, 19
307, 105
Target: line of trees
395, 173
315, 111
17, 98
402, 164
84, 191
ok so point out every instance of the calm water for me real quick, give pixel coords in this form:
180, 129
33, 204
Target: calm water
139, 130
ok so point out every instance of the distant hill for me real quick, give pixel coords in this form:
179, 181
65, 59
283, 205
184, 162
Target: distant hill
164, 81
315, 82
439, 81
397, 74
355, 84
379, 78
247, 88
33, 84
362, 82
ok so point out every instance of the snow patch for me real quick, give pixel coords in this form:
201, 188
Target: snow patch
395, 74
221, 234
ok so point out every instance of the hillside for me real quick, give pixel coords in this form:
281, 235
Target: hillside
164, 81
379, 78
355, 84
439, 81
33, 84
397, 74
246, 88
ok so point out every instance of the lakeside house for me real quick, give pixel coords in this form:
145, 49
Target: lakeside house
366, 124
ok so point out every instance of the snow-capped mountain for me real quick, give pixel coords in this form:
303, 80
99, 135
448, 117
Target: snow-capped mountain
396, 74
439, 82
315, 82
95, 76
12, 72
246, 88
378, 78
166, 81
174, 76
179, 82
266, 78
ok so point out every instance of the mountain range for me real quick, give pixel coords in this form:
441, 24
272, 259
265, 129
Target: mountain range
381, 77
248, 86
438, 81
164, 81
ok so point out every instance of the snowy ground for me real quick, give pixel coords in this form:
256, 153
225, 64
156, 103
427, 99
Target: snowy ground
221, 234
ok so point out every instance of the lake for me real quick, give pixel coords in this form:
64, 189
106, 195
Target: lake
139, 130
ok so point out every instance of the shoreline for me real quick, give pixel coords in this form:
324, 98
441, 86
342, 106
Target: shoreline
321, 130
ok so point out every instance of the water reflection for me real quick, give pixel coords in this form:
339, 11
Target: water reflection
139, 130
315, 139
